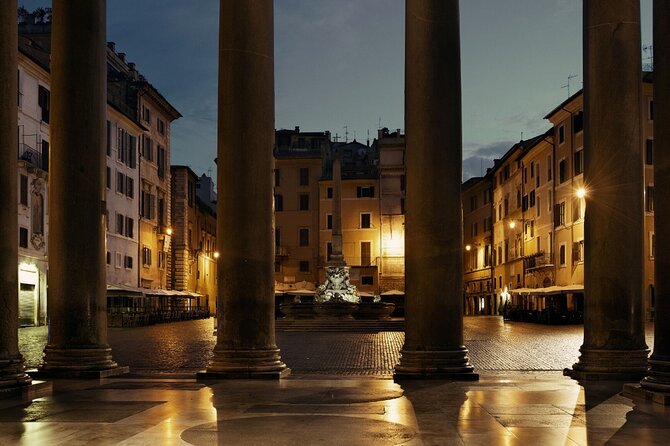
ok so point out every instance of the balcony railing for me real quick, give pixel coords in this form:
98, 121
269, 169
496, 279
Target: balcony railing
32, 156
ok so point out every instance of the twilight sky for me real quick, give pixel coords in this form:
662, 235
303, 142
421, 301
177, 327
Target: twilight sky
340, 63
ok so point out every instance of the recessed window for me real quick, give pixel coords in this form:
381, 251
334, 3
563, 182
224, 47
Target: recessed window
578, 122
365, 221
23, 237
279, 203
329, 221
579, 162
562, 171
561, 255
329, 192
304, 176
367, 280
304, 237
146, 256
277, 177
649, 152
128, 262
365, 191
23, 190
304, 266
304, 202
649, 198
561, 134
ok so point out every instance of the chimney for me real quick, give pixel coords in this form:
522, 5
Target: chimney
111, 46
297, 129
122, 56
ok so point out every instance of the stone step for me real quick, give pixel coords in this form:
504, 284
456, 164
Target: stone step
339, 325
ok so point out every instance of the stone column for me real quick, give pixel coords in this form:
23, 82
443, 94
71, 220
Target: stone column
434, 228
77, 310
659, 374
12, 371
614, 344
245, 343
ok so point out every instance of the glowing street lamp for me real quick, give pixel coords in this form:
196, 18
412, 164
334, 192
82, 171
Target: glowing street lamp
512, 224
216, 254
581, 192
468, 247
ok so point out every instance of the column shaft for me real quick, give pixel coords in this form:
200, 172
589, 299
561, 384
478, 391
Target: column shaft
77, 309
246, 344
614, 344
337, 258
659, 375
434, 229
12, 371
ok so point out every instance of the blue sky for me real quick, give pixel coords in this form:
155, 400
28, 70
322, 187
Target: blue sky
340, 63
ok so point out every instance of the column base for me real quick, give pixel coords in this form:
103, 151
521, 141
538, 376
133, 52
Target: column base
29, 392
86, 363
638, 391
435, 364
609, 365
245, 364
13, 373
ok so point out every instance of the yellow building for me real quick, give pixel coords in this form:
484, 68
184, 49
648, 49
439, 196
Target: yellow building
477, 240
296, 195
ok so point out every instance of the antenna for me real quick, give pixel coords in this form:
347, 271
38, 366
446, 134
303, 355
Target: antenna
336, 138
379, 126
650, 50
354, 135
346, 134
368, 137
571, 76
521, 136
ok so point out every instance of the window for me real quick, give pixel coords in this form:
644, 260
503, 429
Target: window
649, 152
651, 109
329, 250
190, 193
652, 245
146, 256
44, 102
537, 175
519, 202
367, 280
577, 209
549, 168
549, 202
578, 122
146, 114
130, 225
277, 177
474, 230
531, 198
128, 262
279, 203
579, 162
506, 206
532, 169
148, 148
578, 251
365, 191
366, 252
277, 266
329, 192
118, 260
108, 177
161, 259
109, 258
487, 196
120, 220
562, 171
23, 190
559, 214
160, 124
161, 212
329, 221
561, 255
130, 187
539, 206
561, 134
649, 198
23, 237
161, 160
304, 237
120, 182
473, 203
277, 237
365, 221
20, 89
108, 139
304, 176
304, 266
304, 202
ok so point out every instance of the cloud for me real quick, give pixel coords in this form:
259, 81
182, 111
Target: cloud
480, 157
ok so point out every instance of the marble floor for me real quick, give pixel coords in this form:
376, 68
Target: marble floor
507, 408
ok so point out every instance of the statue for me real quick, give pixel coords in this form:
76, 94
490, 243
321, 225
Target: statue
337, 288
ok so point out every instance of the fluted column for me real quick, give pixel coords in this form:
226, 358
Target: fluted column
434, 230
245, 344
614, 343
12, 370
77, 309
659, 374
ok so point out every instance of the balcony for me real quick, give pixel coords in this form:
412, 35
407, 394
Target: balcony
32, 156
538, 261
281, 252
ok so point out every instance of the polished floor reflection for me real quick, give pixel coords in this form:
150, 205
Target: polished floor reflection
509, 408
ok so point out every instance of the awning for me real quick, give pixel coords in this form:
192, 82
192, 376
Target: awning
125, 290
393, 293
574, 288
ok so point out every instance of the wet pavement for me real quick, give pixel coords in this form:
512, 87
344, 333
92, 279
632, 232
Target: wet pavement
185, 347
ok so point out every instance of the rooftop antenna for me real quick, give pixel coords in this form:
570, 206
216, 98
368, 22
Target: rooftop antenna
346, 134
521, 136
336, 138
209, 172
571, 76
379, 125
368, 137
354, 135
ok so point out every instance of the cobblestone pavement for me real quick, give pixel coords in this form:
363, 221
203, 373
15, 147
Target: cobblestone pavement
184, 347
